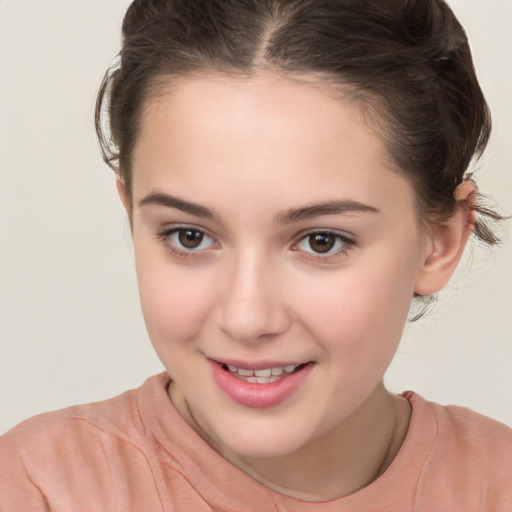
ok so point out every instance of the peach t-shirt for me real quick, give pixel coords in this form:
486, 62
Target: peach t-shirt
136, 453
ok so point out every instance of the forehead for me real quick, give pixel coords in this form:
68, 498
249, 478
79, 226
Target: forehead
266, 135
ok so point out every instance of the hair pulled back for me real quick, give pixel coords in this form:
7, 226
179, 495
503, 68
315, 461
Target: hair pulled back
406, 62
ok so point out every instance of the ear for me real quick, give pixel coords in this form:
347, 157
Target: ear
124, 195
126, 199
446, 242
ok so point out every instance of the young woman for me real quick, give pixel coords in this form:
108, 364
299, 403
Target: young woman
295, 174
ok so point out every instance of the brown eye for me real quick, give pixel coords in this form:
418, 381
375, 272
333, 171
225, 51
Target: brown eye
186, 240
190, 238
322, 242
325, 243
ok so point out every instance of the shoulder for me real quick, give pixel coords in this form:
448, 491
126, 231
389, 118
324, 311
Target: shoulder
466, 453
473, 427
56, 442
472, 433
119, 417
115, 415
478, 440
74, 453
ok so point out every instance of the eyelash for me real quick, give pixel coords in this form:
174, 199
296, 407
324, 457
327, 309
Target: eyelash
347, 243
165, 237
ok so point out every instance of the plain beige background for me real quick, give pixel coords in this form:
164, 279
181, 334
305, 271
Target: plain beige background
70, 326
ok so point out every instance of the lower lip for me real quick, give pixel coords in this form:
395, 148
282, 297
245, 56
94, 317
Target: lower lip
259, 396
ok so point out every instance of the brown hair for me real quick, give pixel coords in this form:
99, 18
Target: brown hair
406, 62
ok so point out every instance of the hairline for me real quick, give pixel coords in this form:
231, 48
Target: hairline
371, 107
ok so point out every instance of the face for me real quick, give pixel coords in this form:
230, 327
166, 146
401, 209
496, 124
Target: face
277, 255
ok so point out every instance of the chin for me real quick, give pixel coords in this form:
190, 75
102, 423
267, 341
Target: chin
262, 440
263, 449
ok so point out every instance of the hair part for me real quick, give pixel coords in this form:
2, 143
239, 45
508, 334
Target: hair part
406, 64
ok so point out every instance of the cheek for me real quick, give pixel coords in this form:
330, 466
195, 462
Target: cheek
175, 301
364, 305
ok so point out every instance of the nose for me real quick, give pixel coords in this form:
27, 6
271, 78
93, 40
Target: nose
252, 304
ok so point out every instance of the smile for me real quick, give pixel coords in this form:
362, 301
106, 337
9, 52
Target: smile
260, 387
263, 376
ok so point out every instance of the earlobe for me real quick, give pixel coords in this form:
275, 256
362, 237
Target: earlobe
446, 243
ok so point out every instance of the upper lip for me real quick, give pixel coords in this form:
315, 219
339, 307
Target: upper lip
258, 365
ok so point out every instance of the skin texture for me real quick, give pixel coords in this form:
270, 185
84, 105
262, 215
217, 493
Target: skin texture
254, 290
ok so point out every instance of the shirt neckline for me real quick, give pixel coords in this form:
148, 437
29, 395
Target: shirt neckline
197, 458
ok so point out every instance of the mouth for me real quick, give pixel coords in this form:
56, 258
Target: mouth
264, 375
264, 384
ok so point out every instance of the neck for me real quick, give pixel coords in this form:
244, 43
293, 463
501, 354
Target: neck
340, 462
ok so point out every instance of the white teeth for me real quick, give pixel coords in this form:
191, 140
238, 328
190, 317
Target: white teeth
263, 373
265, 380
264, 376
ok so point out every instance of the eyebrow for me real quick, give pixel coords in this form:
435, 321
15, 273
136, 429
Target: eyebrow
161, 199
328, 208
285, 217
